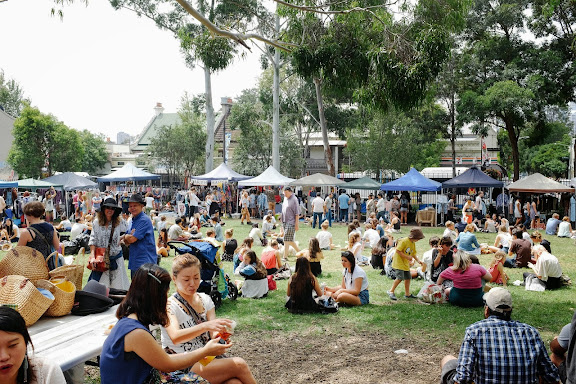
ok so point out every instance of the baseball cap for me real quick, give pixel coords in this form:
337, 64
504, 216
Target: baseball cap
416, 234
498, 300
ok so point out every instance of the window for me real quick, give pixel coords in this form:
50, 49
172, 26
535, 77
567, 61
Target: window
120, 163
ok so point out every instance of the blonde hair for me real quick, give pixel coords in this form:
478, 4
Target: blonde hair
449, 223
565, 218
461, 261
324, 224
500, 255
470, 228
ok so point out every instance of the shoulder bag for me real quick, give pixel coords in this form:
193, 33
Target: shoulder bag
101, 261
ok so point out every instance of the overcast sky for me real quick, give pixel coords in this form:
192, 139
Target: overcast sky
101, 69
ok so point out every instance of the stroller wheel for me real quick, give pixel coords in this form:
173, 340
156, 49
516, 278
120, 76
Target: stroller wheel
232, 291
216, 298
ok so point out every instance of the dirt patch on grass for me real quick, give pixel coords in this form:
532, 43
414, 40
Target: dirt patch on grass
330, 358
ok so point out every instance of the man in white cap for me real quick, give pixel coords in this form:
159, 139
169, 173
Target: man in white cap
499, 350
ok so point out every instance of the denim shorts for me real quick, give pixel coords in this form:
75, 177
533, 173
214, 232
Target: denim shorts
364, 297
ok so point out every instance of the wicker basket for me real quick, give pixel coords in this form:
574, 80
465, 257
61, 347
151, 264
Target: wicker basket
63, 291
73, 272
19, 292
24, 261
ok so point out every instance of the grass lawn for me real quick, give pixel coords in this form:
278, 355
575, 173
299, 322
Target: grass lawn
442, 324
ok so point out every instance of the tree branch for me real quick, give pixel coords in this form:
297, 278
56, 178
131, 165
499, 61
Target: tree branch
237, 37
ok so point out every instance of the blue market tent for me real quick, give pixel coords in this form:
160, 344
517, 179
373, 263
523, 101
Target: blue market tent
412, 181
128, 173
222, 173
8, 184
472, 178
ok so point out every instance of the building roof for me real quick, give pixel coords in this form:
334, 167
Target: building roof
151, 130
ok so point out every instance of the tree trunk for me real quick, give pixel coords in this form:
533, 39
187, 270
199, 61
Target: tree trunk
276, 104
327, 149
210, 121
513, 138
453, 133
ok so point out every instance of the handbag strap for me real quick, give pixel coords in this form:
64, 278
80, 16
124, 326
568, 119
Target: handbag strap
107, 254
195, 316
37, 232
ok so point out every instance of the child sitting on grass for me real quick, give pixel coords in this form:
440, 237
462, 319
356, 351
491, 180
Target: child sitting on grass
324, 237
405, 252
355, 246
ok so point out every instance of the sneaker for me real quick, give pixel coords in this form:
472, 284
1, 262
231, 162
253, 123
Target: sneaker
392, 296
411, 296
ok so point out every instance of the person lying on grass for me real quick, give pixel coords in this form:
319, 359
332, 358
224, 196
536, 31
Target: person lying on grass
354, 287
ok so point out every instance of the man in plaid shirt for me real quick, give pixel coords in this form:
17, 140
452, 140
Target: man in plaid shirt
499, 350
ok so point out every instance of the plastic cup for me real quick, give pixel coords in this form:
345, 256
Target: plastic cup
206, 360
228, 332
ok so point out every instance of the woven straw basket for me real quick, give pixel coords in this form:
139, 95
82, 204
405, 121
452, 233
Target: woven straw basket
22, 294
24, 261
63, 291
73, 272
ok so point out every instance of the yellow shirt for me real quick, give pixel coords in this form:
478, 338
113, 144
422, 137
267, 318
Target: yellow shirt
408, 247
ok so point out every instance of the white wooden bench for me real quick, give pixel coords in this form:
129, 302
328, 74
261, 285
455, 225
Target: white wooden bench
71, 340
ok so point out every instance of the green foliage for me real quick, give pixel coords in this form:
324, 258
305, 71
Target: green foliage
11, 96
95, 155
416, 135
252, 115
42, 142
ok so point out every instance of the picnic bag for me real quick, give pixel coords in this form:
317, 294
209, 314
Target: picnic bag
19, 293
101, 256
24, 261
328, 305
63, 291
73, 272
432, 293
271, 283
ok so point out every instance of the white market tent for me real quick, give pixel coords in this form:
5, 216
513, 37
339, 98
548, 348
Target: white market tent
128, 173
223, 172
317, 180
270, 177
538, 183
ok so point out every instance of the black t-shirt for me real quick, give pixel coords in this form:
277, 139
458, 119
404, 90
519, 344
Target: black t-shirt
446, 261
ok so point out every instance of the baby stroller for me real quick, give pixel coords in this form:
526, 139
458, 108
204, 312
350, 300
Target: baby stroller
214, 281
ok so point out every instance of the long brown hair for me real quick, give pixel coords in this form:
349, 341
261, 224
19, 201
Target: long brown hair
300, 278
314, 247
147, 296
103, 222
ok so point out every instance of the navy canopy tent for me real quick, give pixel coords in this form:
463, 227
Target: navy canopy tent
412, 181
472, 178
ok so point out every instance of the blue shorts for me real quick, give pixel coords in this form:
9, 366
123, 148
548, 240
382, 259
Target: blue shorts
364, 297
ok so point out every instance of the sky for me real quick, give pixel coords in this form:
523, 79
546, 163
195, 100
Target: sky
101, 69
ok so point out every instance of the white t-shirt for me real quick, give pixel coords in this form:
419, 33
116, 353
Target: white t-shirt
547, 266
185, 321
324, 238
76, 230
318, 205
450, 233
372, 236
427, 259
358, 273
174, 232
45, 371
149, 202
381, 205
